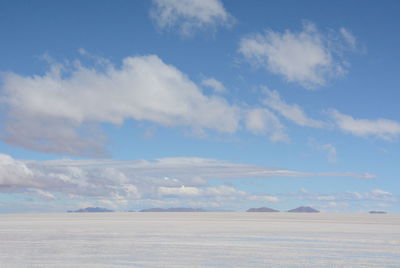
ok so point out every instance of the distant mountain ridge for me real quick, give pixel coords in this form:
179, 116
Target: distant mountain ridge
262, 209
377, 212
90, 210
304, 210
173, 210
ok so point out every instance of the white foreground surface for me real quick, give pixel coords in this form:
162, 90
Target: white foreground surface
199, 240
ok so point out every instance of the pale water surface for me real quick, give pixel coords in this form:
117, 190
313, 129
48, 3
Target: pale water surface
199, 240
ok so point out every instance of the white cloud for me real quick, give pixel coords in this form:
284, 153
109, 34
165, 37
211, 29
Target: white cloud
220, 192
306, 57
67, 184
57, 112
223, 190
292, 112
328, 148
184, 191
106, 203
187, 16
380, 128
263, 121
351, 196
348, 37
380, 192
15, 174
381, 195
325, 197
179, 191
331, 152
43, 194
171, 171
264, 198
373, 195
122, 180
214, 84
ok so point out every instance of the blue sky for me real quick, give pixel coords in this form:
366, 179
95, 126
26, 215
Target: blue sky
212, 104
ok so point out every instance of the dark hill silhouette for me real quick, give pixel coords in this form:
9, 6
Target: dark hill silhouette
173, 210
90, 209
377, 212
304, 210
262, 209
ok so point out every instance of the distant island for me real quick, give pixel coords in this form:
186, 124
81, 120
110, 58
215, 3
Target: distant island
377, 212
262, 209
90, 209
173, 210
304, 210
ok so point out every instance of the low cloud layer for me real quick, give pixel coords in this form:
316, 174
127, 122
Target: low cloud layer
373, 195
123, 181
308, 57
189, 16
218, 192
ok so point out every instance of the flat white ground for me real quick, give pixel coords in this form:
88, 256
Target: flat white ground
199, 240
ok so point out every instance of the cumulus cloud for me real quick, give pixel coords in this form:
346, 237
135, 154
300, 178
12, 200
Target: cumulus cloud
214, 84
188, 16
58, 111
292, 112
384, 129
15, 174
308, 57
263, 121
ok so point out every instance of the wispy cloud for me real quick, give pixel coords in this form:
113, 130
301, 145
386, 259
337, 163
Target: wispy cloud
348, 37
350, 196
385, 129
292, 112
330, 151
188, 16
308, 57
328, 148
214, 84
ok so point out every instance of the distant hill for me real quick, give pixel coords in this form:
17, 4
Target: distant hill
173, 210
262, 209
90, 209
304, 210
377, 212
